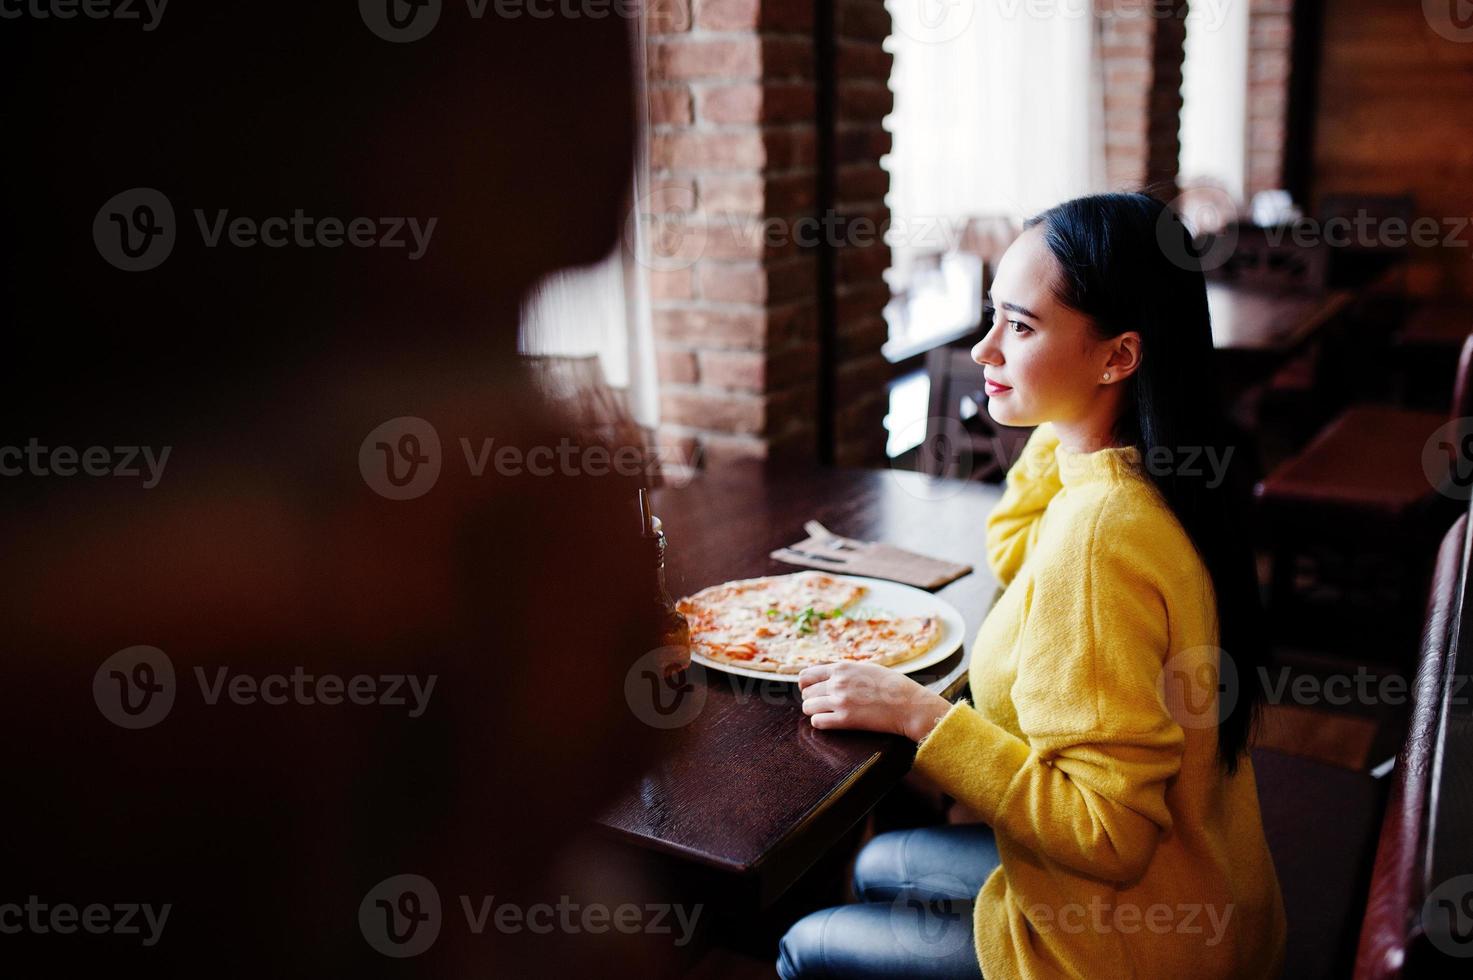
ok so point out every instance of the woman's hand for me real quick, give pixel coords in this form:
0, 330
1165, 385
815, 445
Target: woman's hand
869, 697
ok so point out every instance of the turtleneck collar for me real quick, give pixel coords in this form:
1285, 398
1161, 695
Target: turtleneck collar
1120, 463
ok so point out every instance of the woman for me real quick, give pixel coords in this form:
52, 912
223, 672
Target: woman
1111, 683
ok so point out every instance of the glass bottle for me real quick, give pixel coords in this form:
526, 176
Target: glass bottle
674, 629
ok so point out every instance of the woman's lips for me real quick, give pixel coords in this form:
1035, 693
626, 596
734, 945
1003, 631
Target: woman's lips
993, 388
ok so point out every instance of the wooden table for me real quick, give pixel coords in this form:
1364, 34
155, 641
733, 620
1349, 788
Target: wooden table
747, 790
1250, 319
1257, 330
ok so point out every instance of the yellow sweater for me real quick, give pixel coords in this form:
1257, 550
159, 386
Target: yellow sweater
1126, 850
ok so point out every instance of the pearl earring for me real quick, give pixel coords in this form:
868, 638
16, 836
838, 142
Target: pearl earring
1107, 375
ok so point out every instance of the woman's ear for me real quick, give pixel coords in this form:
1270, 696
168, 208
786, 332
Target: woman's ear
1125, 356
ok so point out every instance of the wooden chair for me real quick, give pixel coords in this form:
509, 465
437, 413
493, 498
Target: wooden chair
1360, 488
1320, 821
1425, 351
1421, 847
1271, 257
1374, 269
961, 440
1361, 260
575, 386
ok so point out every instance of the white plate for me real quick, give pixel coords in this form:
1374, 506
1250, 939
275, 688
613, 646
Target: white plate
896, 599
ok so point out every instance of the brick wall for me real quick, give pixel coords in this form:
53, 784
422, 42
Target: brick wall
732, 213
1142, 53
1270, 40
1142, 71
861, 97
732, 158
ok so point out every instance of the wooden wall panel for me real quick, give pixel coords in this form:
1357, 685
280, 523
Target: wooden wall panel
1395, 114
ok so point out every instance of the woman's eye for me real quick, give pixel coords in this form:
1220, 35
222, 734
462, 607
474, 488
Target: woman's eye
1019, 327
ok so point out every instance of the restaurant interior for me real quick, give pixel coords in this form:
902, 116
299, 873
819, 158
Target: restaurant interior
753, 244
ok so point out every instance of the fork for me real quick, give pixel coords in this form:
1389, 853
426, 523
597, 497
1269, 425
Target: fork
829, 538
813, 554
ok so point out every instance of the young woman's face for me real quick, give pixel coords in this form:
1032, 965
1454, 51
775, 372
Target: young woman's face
1040, 349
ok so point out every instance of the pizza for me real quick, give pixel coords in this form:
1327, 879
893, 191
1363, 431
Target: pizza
783, 623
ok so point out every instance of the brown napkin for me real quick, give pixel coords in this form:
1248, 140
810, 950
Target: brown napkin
826, 550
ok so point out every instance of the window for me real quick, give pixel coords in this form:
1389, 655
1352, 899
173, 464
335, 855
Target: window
603, 309
998, 115
1214, 124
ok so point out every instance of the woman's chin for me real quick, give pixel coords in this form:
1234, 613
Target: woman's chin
999, 411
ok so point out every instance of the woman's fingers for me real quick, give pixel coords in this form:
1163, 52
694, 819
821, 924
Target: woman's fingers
812, 706
816, 690
814, 674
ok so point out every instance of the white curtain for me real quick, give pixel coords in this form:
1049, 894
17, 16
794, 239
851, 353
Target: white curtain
1214, 125
998, 109
604, 308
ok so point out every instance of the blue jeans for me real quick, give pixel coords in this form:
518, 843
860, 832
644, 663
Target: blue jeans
914, 916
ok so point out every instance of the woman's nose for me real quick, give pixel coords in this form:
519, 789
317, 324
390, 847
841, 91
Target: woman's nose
985, 351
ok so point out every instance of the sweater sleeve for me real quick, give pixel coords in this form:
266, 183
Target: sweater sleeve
1012, 527
1086, 785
